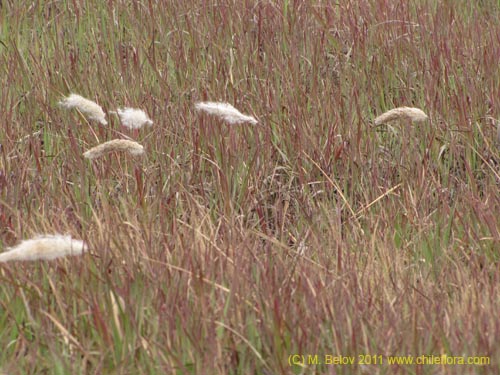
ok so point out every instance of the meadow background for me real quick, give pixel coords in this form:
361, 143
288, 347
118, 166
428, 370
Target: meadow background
226, 249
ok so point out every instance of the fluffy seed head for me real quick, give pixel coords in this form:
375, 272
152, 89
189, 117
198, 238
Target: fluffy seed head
131, 147
92, 111
412, 114
45, 247
225, 111
133, 118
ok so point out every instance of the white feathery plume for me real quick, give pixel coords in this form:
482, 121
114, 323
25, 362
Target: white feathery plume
90, 109
225, 111
133, 118
45, 247
132, 147
412, 114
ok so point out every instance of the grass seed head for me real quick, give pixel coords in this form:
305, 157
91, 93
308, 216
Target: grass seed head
131, 147
225, 111
46, 247
412, 114
133, 118
91, 110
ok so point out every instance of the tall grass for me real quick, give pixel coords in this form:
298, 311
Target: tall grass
229, 248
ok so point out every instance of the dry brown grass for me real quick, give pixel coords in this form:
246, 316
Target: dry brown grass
230, 248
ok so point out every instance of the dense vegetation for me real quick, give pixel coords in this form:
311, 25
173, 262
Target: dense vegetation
228, 249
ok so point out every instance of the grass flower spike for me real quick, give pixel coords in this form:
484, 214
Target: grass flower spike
45, 247
225, 111
133, 118
131, 147
412, 114
92, 111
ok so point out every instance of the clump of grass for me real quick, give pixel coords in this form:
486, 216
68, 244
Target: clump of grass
204, 241
46, 247
91, 110
126, 145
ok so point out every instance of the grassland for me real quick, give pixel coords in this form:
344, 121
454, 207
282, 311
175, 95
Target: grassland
228, 249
